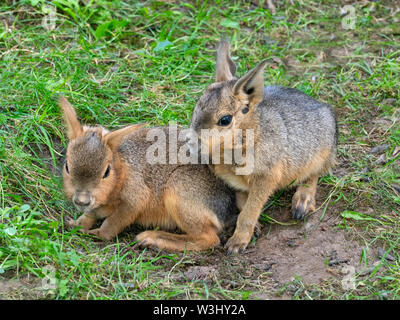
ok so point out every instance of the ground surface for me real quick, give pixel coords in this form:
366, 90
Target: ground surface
129, 62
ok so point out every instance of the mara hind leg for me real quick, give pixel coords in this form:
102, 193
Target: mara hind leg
303, 200
199, 224
178, 242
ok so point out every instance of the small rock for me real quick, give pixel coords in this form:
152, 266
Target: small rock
333, 271
369, 269
364, 177
269, 41
334, 260
115, 67
365, 170
383, 123
264, 266
292, 243
380, 149
278, 60
309, 227
279, 18
381, 253
389, 101
381, 159
337, 262
201, 272
386, 295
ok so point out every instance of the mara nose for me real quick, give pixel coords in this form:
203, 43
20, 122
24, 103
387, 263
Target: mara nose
81, 199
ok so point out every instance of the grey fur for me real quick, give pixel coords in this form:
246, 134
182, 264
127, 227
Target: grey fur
294, 126
295, 138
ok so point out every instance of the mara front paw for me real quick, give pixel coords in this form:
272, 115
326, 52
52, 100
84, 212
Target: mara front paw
101, 234
237, 243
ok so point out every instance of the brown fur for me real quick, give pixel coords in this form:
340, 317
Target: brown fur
200, 234
227, 173
107, 176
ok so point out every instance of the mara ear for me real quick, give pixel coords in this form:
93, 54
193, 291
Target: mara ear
251, 85
114, 138
74, 127
226, 68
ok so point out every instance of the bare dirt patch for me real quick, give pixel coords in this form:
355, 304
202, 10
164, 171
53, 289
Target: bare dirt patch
313, 251
307, 250
11, 289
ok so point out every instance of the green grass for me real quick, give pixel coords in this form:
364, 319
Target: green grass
122, 62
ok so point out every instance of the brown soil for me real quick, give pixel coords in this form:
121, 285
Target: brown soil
312, 251
305, 250
15, 288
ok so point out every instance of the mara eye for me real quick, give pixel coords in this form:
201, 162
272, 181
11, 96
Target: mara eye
66, 167
249, 90
225, 120
107, 172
